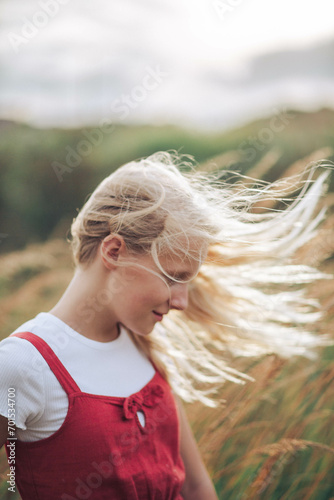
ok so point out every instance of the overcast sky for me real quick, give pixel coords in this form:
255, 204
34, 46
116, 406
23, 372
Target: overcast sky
66, 62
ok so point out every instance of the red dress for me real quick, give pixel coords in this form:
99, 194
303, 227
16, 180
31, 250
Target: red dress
102, 451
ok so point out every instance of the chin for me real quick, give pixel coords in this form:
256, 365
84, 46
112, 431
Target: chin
141, 332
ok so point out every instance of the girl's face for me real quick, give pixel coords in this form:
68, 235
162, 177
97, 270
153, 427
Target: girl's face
142, 295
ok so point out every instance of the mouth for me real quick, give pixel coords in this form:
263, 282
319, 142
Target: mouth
158, 316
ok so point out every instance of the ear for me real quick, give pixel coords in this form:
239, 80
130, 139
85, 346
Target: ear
111, 248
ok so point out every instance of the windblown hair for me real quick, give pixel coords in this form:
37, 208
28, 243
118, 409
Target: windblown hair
249, 297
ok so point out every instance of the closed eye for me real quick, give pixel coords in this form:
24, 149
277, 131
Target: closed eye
179, 278
169, 281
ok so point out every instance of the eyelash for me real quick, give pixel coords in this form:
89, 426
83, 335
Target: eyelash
169, 281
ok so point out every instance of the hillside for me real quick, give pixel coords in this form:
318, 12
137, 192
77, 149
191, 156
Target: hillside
45, 175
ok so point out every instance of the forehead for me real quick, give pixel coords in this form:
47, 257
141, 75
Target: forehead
181, 262
180, 269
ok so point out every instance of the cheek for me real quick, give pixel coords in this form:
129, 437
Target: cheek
160, 293
152, 294
122, 282
129, 277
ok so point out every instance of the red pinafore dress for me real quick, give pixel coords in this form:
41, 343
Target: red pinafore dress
101, 451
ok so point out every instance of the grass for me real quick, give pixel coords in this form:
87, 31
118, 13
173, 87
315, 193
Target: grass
272, 439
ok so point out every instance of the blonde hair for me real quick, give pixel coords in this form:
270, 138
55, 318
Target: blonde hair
249, 296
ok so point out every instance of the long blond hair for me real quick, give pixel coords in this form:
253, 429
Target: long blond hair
249, 296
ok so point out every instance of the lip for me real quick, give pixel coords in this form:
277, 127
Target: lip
158, 315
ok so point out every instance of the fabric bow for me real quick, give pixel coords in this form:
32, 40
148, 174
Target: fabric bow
150, 396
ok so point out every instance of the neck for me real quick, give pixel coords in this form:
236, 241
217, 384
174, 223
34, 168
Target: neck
83, 306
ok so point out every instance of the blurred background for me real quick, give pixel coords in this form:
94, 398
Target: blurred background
244, 85
87, 86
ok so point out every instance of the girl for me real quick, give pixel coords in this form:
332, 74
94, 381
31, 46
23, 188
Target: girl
171, 268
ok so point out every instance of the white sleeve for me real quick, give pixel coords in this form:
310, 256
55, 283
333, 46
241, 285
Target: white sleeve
21, 368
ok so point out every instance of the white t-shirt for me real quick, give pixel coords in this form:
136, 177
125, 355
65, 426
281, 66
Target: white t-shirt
115, 368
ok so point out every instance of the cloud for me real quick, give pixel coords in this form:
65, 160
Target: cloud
88, 54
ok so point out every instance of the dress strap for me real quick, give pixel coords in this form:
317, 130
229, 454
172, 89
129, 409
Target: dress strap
57, 368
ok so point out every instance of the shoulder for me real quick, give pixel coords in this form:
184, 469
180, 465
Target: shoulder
19, 361
14, 350
18, 357
21, 368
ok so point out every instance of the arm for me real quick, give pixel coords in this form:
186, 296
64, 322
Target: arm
3, 430
197, 485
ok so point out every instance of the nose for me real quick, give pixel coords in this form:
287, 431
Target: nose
179, 296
